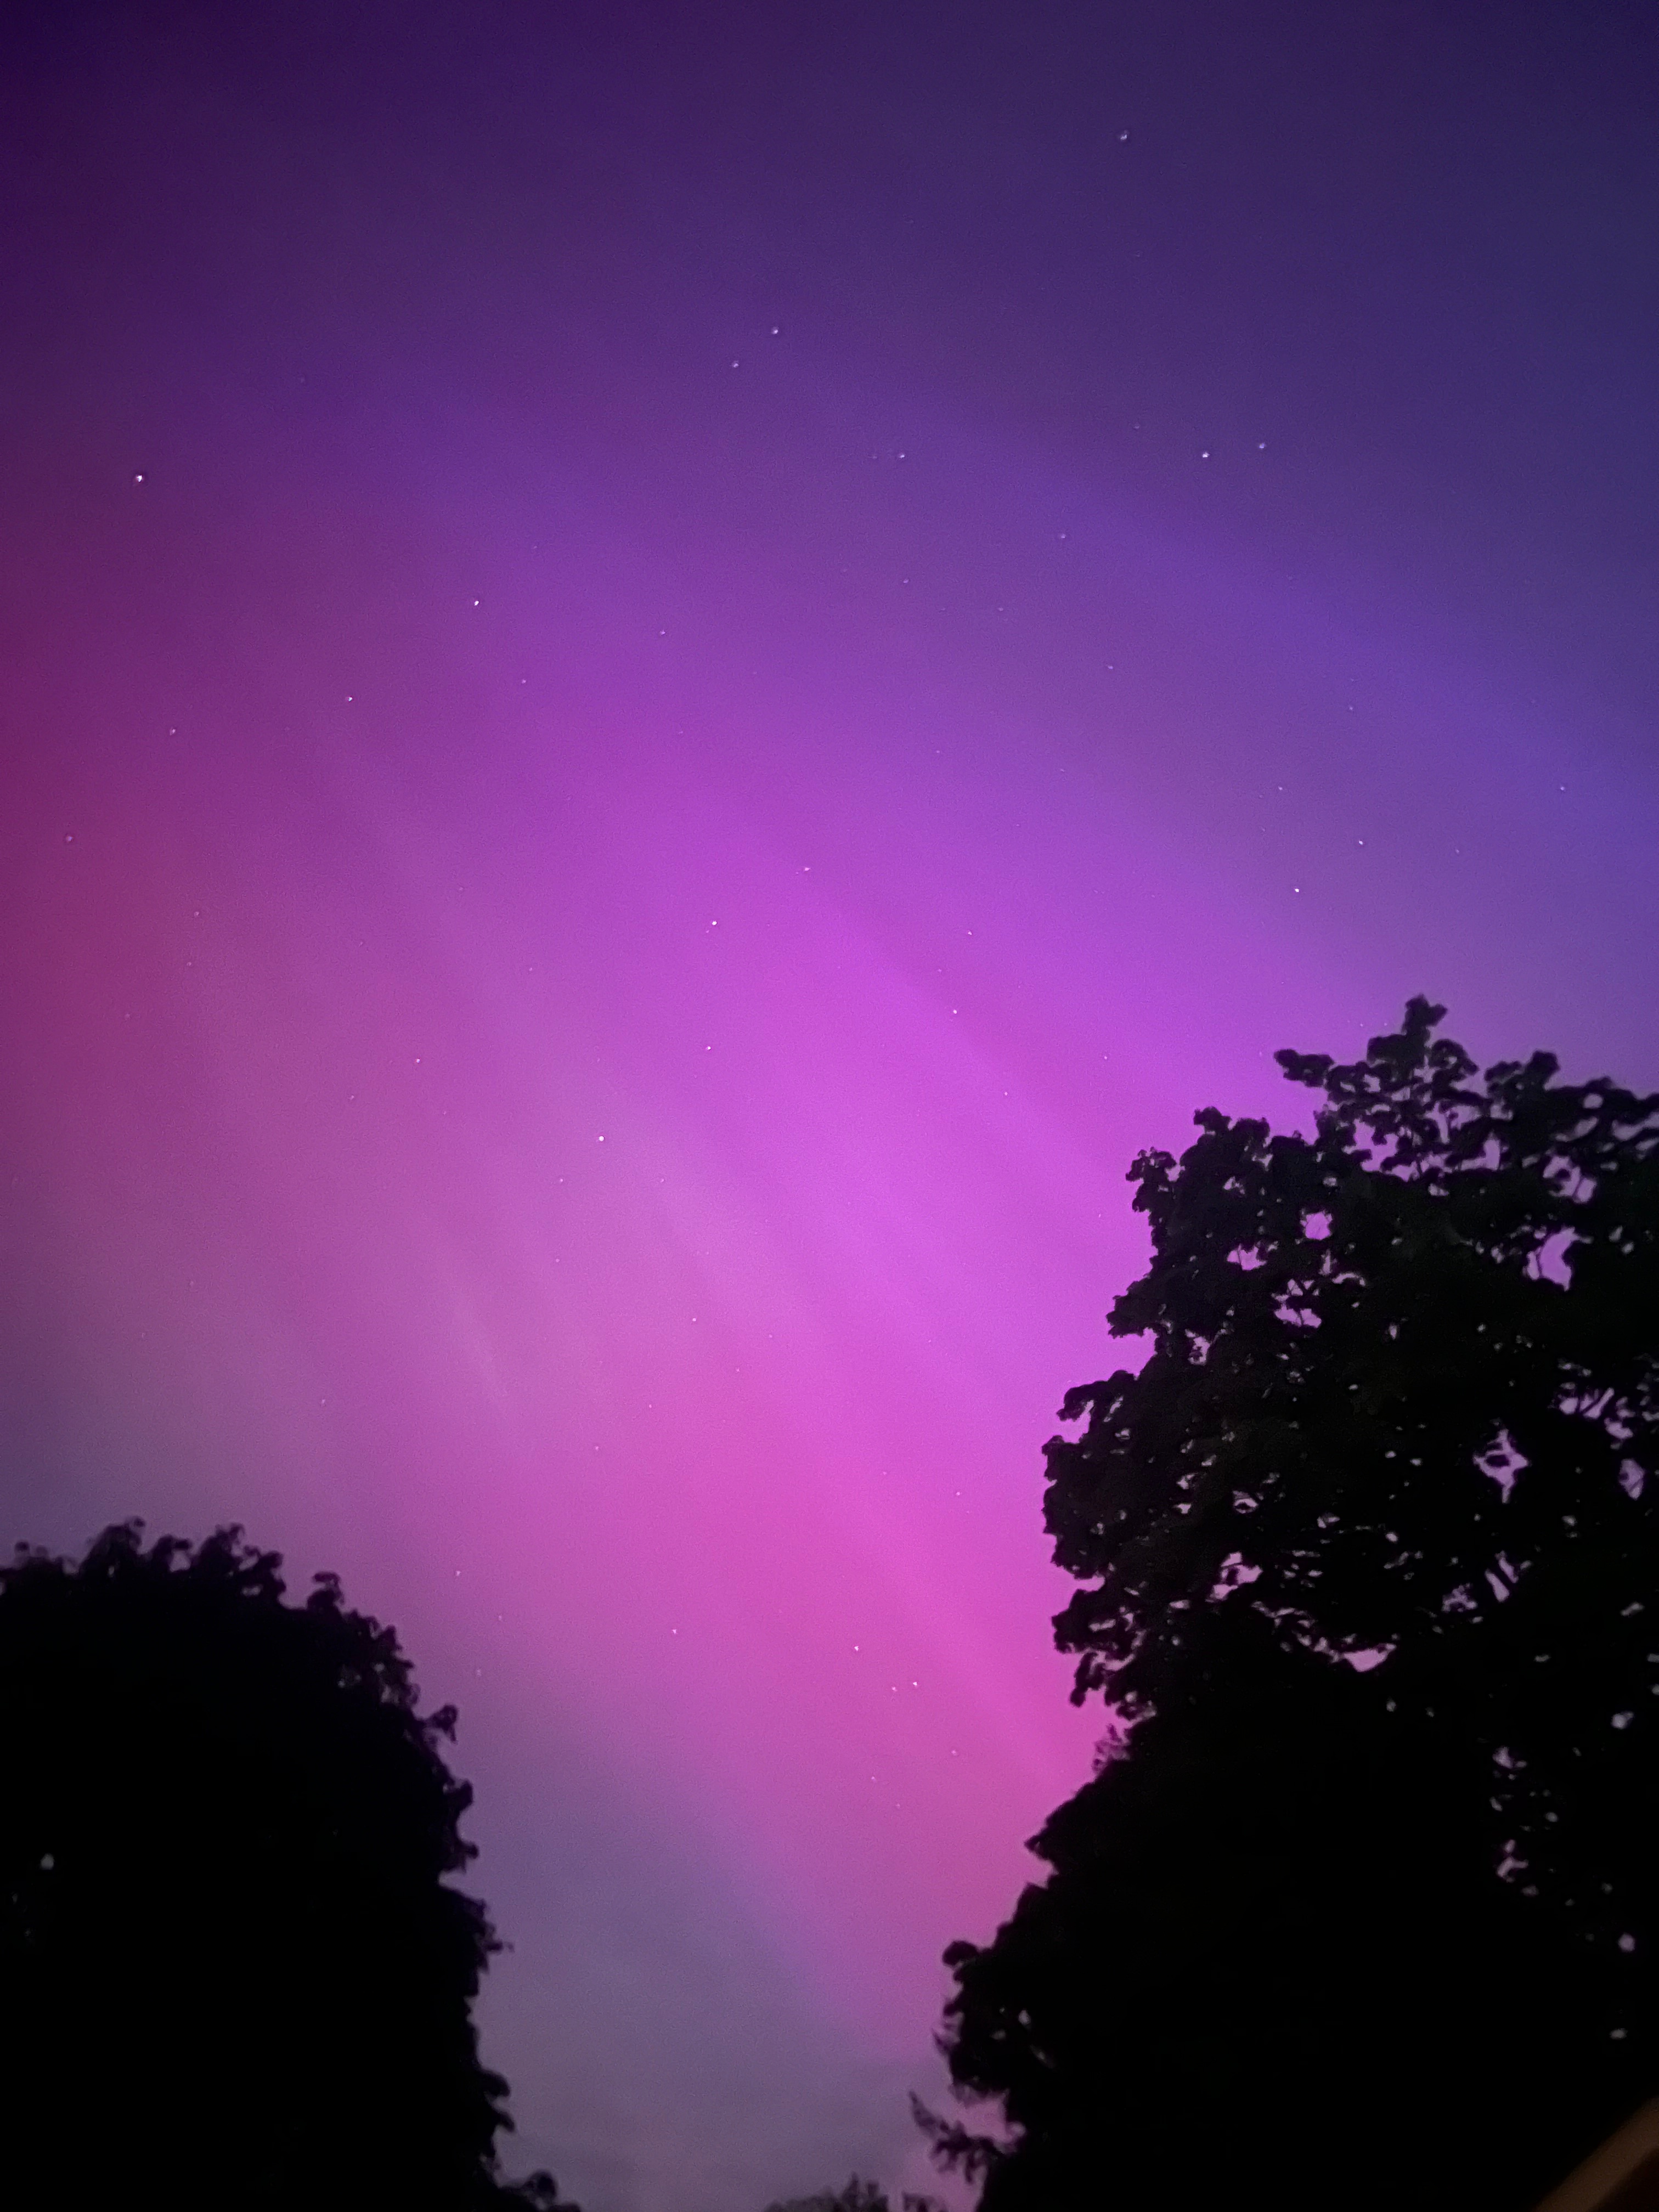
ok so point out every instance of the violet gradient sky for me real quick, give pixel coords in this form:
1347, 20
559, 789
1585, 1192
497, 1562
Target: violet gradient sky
669, 673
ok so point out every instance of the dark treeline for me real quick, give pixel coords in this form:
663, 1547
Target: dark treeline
1359, 1908
858, 2195
1362, 1905
233, 1972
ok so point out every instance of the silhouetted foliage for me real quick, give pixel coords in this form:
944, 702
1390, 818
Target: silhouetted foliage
1364, 1909
538, 2190
857, 2196
233, 1973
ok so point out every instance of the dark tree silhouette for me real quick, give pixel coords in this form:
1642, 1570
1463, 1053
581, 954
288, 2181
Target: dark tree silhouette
857, 2196
232, 1971
1364, 1909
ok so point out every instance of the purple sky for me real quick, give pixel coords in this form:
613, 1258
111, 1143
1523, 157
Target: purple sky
668, 674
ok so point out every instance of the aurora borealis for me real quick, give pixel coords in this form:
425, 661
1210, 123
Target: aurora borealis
669, 673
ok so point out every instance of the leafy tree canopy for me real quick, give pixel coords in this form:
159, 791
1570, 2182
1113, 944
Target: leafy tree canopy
233, 1969
1397, 1367
1372, 1534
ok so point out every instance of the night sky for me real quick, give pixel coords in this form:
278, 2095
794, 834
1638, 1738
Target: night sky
667, 674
